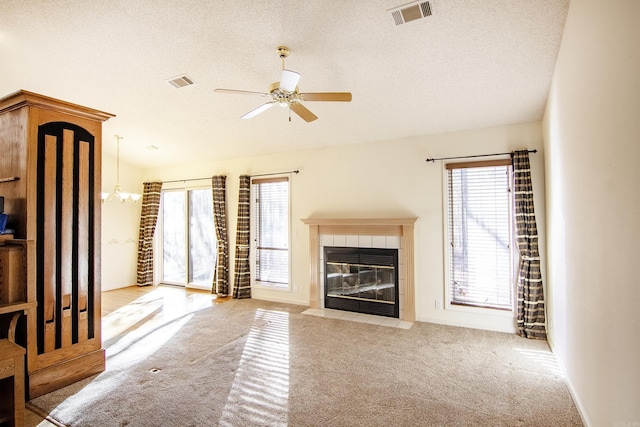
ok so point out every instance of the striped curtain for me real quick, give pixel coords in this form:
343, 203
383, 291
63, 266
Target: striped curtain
148, 221
221, 272
242, 276
531, 313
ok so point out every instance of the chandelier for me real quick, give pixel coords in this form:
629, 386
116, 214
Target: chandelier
118, 194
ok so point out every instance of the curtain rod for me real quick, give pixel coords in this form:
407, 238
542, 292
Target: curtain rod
208, 177
477, 155
275, 173
187, 180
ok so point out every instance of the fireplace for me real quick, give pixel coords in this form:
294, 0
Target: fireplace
390, 233
363, 280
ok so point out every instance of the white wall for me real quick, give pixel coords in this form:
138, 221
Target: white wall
592, 144
120, 222
380, 179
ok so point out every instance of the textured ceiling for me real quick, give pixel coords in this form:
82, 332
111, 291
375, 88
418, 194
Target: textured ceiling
472, 64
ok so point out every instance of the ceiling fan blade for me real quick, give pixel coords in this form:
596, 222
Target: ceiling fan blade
303, 112
260, 109
327, 96
241, 92
289, 80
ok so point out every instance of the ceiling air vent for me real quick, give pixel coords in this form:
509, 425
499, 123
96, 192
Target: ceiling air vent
410, 12
181, 81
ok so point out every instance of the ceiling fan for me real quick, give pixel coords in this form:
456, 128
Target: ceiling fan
285, 93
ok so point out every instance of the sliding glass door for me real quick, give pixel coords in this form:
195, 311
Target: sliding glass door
188, 238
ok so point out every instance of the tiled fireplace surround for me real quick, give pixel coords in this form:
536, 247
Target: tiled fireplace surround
390, 233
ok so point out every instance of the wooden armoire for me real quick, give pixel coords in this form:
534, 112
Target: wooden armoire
50, 177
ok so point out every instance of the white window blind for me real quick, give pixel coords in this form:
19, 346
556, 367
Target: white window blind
271, 213
480, 234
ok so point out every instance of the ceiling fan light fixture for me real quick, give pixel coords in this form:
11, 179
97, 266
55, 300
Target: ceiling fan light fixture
289, 80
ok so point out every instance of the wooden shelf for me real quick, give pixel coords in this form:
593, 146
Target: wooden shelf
15, 307
9, 350
5, 237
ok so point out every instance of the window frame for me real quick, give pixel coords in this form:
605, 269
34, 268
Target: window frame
514, 254
258, 284
159, 236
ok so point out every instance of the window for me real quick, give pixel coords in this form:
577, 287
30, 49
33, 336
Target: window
270, 218
188, 237
480, 234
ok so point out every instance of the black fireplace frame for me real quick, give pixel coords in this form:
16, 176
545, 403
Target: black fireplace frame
363, 256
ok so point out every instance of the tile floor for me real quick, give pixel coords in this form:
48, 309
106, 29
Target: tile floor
358, 317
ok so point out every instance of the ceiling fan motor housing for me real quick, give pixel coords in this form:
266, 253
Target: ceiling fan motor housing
282, 96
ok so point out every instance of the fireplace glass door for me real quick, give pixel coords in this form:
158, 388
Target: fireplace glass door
364, 280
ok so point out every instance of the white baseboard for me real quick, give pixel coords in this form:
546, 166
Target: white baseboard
198, 287
484, 327
572, 390
280, 300
113, 288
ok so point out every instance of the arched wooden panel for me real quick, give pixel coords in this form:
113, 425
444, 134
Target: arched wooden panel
65, 238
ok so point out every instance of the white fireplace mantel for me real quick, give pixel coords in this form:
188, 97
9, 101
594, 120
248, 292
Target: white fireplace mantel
402, 227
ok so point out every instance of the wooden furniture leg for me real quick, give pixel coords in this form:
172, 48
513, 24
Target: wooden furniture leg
12, 372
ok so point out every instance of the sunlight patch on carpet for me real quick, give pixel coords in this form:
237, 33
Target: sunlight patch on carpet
143, 342
130, 350
131, 315
260, 391
544, 359
152, 309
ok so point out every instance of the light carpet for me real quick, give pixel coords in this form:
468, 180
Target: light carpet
257, 363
